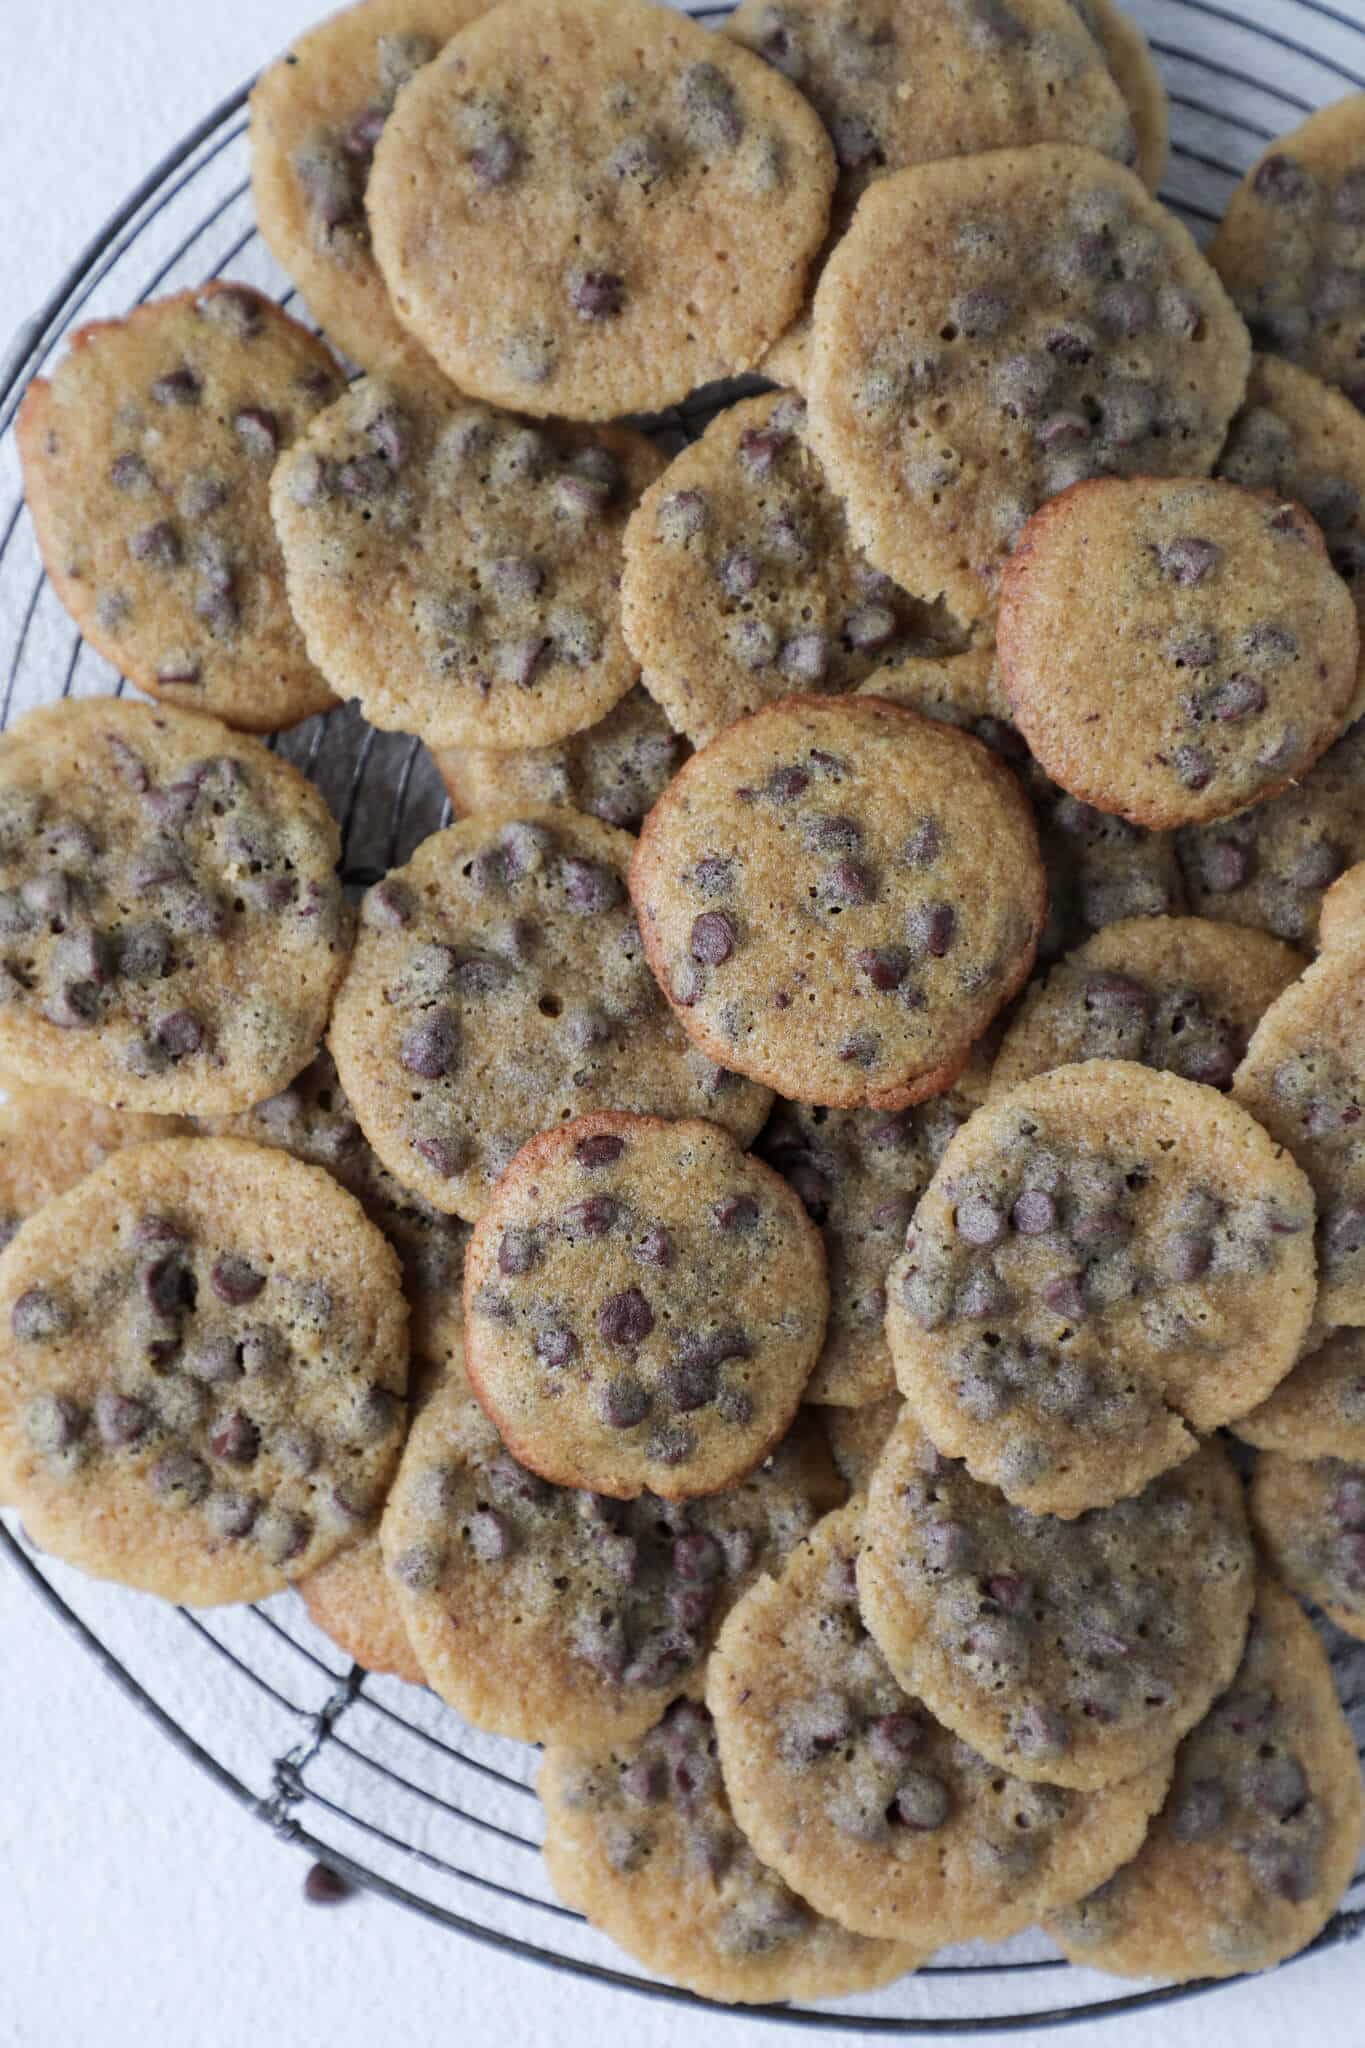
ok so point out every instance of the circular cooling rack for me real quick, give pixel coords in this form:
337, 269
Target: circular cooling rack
381, 1779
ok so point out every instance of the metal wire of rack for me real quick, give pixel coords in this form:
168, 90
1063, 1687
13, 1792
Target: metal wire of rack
379, 1778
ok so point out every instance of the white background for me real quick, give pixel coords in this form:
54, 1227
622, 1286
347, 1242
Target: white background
136, 1903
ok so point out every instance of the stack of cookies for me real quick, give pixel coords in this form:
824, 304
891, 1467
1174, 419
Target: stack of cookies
738, 1261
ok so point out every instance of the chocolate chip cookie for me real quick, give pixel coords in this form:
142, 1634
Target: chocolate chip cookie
171, 924
1106, 1260
313, 1119
147, 458
859, 1173
1309, 1515
1303, 1078
499, 985
49, 1140
644, 1842
1291, 246
316, 115
203, 1361
552, 1615
837, 898
1270, 866
865, 1803
741, 583
589, 210
1256, 1843
1319, 1410
615, 770
1179, 994
1303, 440
1175, 649
1077, 1653
456, 569
1343, 907
644, 1304
993, 328
1099, 868
1128, 54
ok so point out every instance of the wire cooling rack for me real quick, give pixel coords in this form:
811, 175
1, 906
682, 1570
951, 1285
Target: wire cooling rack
381, 1779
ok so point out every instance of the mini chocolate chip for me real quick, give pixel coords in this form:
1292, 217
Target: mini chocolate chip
1224, 866
282, 1536
1064, 1295
860, 1048
760, 448
980, 1222
590, 886
431, 1049
1318, 864
419, 1568
597, 294
235, 1280
38, 1315
655, 1248
1194, 766
591, 1218
1285, 1872
1034, 1213
625, 1318
805, 657
180, 1034
600, 1150
735, 1212
921, 1801
1241, 696
1187, 560
519, 1250
885, 966
1280, 181
497, 161
709, 104
1188, 1254
236, 1439
623, 1401
713, 938
177, 387
931, 928
555, 1347
121, 1419
179, 1478
159, 543
258, 431
54, 1422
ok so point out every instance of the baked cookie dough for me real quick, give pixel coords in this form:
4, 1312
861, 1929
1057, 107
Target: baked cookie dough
741, 583
1180, 994
147, 457
1107, 1260
1303, 1078
1309, 1516
615, 770
591, 209
1078, 1652
837, 898
203, 1362
644, 1304
552, 1615
865, 1803
1343, 907
313, 1119
316, 114
643, 1841
1175, 648
49, 1140
171, 924
1100, 868
499, 986
1291, 246
1302, 440
994, 328
1259, 1837
859, 1173
1319, 1410
456, 569
857, 1438
1270, 866
350, 1600
1128, 54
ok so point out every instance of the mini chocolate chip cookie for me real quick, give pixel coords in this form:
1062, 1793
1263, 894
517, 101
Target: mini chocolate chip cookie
1309, 1515
591, 209
147, 458
1128, 54
49, 1140
1258, 1839
837, 898
203, 1361
1106, 1260
456, 569
313, 1119
499, 985
1291, 246
859, 1173
1303, 1078
993, 328
1175, 649
741, 583
351, 1600
171, 924
552, 1615
1179, 994
615, 770
857, 1438
1099, 868
1078, 1652
643, 1841
863, 1801
1343, 907
1270, 867
644, 1304
1319, 1410
316, 115
1303, 440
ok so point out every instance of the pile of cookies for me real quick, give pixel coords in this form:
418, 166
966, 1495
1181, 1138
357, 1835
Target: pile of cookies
744, 1261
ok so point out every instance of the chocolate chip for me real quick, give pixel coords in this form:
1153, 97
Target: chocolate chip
1196, 1811
805, 657
419, 1568
54, 1422
519, 1250
655, 1248
431, 1049
1285, 1872
177, 387
921, 1801
1278, 1786
556, 1347
709, 105
1188, 560
601, 1150
931, 928
180, 1034
282, 1536
623, 1401
1241, 696
235, 1280
236, 1439
1040, 1731
496, 161
1194, 766
159, 543
625, 1318
258, 431
1342, 1232
1125, 309
735, 1212
596, 294
591, 1218
1279, 181
885, 966
38, 1316
713, 937
759, 449
980, 1222
179, 1478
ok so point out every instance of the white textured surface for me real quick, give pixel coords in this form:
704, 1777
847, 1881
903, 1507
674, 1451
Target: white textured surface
138, 1903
